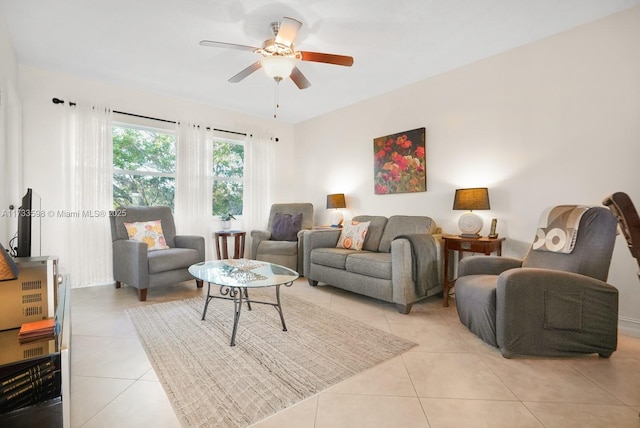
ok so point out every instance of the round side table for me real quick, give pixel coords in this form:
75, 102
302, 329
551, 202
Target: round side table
238, 243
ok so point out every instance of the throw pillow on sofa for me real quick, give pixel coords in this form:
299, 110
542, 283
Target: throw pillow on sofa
353, 235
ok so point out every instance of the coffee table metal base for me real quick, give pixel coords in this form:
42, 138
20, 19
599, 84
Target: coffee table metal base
237, 294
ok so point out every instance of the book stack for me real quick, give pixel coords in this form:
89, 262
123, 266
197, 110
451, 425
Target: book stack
37, 330
29, 385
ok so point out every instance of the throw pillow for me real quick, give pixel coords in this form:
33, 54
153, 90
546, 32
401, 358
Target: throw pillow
286, 227
353, 235
149, 232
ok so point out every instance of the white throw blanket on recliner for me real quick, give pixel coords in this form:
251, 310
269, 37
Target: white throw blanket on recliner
558, 228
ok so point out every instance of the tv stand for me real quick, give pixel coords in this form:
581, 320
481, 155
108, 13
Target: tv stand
50, 408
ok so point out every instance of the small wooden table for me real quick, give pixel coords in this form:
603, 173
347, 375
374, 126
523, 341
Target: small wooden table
238, 243
473, 245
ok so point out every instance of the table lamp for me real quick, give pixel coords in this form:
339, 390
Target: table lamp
471, 199
336, 201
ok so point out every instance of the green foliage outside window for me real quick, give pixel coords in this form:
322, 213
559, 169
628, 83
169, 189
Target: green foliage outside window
228, 170
144, 167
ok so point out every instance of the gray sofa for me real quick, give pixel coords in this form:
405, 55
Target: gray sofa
401, 260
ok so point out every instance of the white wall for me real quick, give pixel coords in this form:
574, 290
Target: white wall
553, 122
44, 147
10, 173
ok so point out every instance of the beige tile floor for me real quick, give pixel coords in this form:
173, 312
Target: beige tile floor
452, 379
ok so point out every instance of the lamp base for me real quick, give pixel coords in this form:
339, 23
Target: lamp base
470, 224
336, 218
470, 235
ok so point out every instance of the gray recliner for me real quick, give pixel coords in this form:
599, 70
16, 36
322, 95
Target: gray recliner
288, 253
549, 303
134, 265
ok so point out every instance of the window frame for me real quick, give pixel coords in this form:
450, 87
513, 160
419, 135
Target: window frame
165, 127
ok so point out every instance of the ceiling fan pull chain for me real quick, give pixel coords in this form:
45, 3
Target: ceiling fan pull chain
277, 103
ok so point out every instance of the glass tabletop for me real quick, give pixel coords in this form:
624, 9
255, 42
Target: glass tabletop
243, 273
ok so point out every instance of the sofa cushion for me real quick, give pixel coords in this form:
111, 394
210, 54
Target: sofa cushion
286, 227
370, 264
282, 248
171, 259
331, 257
404, 225
374, 233
353, 235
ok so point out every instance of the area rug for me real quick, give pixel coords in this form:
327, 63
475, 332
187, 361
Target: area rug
210, 383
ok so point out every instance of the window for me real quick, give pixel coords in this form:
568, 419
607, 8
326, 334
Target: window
228, 171
144, 166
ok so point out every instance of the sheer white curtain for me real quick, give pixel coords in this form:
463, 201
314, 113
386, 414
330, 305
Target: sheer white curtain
194, 183
259, 167
87, 248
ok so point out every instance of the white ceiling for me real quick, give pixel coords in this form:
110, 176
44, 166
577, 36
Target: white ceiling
153, 44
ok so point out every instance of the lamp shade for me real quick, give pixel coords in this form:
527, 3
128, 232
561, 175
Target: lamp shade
336, 201
277, 67
471, 199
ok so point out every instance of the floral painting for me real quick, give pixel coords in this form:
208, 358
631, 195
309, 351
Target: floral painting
399, 163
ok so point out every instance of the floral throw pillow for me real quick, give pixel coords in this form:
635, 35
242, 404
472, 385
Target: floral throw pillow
149, 232
353, 235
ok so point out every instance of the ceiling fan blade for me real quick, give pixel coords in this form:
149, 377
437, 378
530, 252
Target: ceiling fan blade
288, 29
246, 72
299, 79
326, 58
213, 44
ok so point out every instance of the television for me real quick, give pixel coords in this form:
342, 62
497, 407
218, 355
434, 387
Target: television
29, 226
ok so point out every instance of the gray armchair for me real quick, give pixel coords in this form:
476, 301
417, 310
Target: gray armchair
273, 245
549, 303
134, 265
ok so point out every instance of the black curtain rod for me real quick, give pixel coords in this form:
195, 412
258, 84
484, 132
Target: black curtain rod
71, 103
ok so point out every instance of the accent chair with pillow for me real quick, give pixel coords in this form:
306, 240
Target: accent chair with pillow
148, 253
281, 243
555, 302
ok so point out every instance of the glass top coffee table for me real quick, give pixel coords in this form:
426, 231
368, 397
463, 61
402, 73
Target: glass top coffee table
236, 276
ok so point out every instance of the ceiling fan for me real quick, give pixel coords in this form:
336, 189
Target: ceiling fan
279, 55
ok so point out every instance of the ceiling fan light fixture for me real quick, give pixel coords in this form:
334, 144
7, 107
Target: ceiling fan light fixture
277, 67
